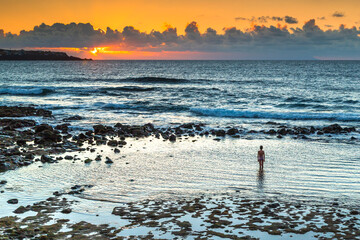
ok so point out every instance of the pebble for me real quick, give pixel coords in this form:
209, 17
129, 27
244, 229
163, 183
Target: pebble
13, 201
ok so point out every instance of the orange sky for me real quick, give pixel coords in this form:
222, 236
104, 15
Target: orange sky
147, 15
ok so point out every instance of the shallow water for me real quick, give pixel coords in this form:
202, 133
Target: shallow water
294, 169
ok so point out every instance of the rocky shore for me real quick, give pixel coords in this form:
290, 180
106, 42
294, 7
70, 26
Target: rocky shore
6, 54
227, 217
23, 141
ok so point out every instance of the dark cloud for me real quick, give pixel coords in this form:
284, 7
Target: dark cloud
321, 18
241, 19
277, 18
192, 31
276, 42
261, 19
338, 14
291, 20
265, 19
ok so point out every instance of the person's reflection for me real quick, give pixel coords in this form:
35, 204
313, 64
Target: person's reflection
260, 179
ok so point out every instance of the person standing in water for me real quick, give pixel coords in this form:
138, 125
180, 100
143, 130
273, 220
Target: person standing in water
261, 158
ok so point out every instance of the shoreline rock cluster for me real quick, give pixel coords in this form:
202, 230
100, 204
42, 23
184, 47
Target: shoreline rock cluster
23, 141
203, 217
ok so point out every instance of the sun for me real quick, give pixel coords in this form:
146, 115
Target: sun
95, 51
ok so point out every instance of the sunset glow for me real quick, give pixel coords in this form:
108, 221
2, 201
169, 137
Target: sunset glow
230, 30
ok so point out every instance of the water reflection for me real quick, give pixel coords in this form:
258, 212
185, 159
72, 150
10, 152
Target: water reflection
260, 179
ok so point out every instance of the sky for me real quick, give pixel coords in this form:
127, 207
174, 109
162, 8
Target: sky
184, 29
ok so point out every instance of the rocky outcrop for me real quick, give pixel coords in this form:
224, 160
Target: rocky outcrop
6, 111
36, 55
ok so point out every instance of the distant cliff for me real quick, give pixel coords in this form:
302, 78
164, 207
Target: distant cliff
36, 55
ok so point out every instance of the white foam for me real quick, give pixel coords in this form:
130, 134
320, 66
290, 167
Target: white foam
24, 91
276, 115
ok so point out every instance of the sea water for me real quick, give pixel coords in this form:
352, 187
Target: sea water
245, 94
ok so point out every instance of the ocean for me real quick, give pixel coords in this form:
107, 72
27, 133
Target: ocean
251, 95
168, 92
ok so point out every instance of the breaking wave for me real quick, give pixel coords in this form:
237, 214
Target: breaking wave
276, 115
25, 91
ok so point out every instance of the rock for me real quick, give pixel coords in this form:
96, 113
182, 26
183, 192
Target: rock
68, 157
13, 201
63, 127
11, 124
88, 160
334, 128
266, 211
73, 118
4, 166
57, 193
354, 212
46, 159
198, 128
82, 136
2, 182
6, 111
187, 125
282, 131
172, 138
21, 210
21, 142
108, 160
116, 150
138, 132
66, 211
349, 129
273, 205
149, 127
220, 133
98, 158
101, 129
271, 132
232, 131
112, 143
42, 127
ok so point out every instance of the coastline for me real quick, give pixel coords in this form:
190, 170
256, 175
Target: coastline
25, 142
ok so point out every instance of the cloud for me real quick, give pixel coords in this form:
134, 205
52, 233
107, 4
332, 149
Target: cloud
265, 19
192, 31
261, 19
241, 19
338, 14
257, 42
321, 18
290, 20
